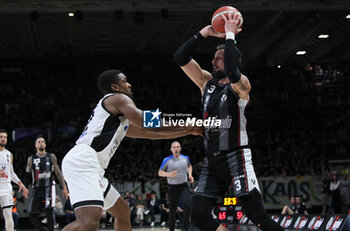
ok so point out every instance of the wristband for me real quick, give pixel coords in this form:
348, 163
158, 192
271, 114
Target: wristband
230, 35
198, 36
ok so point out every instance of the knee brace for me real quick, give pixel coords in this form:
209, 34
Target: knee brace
201, 213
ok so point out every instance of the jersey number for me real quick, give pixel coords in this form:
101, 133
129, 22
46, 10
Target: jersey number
87, 126
238, 185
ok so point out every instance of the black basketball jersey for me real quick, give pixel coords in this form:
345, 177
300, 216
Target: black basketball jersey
42, 170
219, 101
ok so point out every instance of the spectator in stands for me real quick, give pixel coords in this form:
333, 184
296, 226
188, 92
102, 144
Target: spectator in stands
300, 207
57, 211
140, 206
129, 198
15, 213
334, 206
327, 178
318, 71
345, 192
153, 206
70, 215
289, 209
165, 210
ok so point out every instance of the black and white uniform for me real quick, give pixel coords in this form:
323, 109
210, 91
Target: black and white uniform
6, 198
228, 157
42, 175
83, 166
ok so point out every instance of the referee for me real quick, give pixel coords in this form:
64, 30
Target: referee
175, 168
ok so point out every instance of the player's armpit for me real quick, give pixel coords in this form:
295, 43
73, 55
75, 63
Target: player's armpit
242, 87
199, 76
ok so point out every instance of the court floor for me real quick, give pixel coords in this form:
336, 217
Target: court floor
241, 228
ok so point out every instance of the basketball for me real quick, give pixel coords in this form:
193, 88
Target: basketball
218, 23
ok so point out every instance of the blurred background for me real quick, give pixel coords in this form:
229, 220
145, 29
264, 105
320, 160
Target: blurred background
296, 55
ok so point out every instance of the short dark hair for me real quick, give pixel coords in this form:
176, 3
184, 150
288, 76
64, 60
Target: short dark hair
3, 131
38, 137
107, 78
240, 55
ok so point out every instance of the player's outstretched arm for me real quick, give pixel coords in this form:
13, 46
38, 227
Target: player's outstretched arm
59, 176
161, 133
120, 103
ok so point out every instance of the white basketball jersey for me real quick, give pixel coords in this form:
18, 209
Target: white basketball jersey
5, 164
104, 132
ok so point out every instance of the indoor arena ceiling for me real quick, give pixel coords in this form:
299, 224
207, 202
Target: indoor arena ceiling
273, 29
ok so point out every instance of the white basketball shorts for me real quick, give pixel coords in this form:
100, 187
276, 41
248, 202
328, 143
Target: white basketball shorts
87, 185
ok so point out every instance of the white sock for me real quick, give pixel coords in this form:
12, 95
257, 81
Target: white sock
8, 218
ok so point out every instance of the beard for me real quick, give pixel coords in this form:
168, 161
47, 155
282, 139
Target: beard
41, 149
2, 145
218, 74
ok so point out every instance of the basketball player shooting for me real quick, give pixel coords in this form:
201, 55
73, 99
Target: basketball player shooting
225, 94
114, 117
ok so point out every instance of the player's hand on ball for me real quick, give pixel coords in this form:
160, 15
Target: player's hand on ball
232, 22
209, 31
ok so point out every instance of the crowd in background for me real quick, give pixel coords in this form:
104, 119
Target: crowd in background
298, 117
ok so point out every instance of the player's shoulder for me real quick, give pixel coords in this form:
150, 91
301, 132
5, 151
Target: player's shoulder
52, 155
119, 97
116, 100
6, 151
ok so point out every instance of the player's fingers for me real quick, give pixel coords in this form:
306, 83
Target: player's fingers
233, 15
223, 17
229, 15
237, 18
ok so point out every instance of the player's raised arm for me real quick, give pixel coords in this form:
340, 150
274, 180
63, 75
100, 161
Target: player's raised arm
239, 82
183, 57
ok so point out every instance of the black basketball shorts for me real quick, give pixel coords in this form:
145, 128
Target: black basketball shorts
233, 168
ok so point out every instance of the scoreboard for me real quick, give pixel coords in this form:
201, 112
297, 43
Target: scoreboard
230, 211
